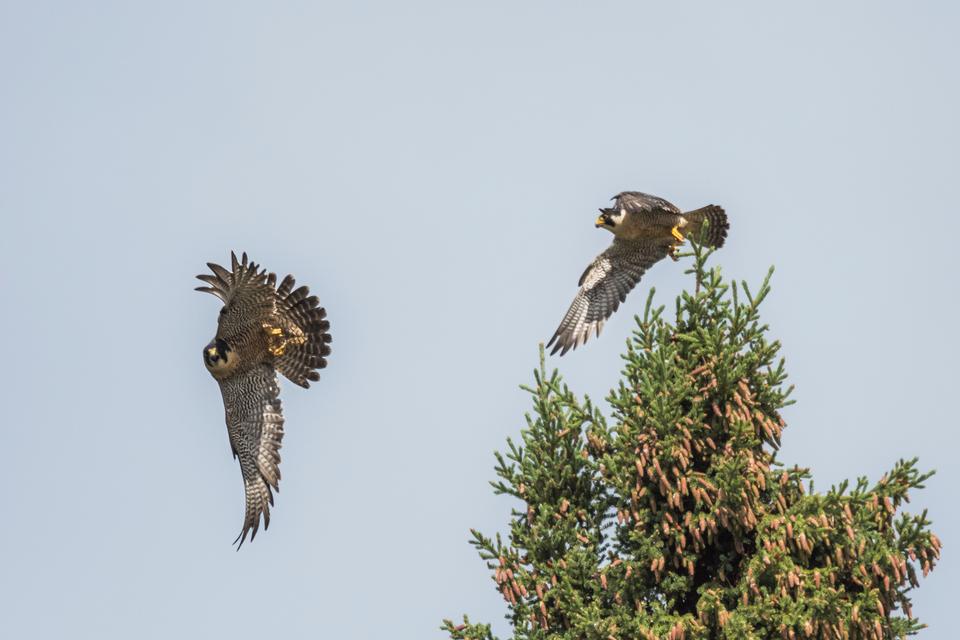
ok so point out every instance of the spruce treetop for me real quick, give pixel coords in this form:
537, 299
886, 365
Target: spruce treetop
674, 519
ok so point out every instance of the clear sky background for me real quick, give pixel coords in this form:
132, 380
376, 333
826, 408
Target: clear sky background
432, 172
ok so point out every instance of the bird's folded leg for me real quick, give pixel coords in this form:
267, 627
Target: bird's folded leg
675, 232
276, 341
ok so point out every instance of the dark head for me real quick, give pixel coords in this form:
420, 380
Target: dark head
609, 219
219, 357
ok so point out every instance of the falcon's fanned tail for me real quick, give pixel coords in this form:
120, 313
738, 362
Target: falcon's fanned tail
716, 230
307, 352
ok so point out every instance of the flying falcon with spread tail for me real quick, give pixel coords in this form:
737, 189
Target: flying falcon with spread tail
262, 329
645, 230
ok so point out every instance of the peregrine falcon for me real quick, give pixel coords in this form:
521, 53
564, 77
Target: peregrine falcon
645, 230
262, 329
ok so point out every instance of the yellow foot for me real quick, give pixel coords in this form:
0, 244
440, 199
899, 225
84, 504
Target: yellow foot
276, 342
675, 232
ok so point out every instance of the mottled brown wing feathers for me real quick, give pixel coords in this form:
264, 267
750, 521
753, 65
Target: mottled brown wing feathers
603, 286
255, 425
246, 291
636, 201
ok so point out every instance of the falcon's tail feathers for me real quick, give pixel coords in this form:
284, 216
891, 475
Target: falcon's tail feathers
717, 229
300, 361
259, 499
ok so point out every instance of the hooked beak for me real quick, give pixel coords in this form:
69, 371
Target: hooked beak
602, 220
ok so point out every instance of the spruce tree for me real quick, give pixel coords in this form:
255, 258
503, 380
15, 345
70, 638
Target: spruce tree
674, 519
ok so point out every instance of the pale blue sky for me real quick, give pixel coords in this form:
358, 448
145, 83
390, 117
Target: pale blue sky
431, 171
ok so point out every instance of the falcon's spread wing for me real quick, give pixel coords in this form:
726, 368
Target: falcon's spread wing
255, 424
297, 321
603, 286
634, 201
247, 293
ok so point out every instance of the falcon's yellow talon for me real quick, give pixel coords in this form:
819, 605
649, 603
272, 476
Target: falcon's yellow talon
276, 340
675, 232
